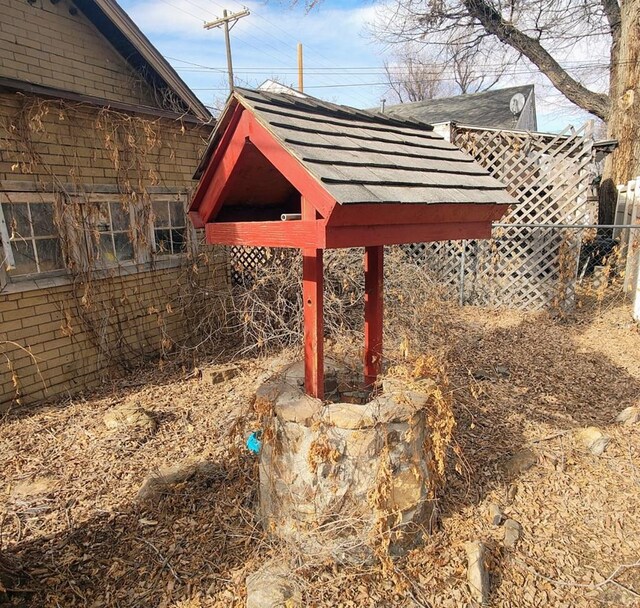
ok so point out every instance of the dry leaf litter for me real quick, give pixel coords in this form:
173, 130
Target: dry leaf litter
144, 494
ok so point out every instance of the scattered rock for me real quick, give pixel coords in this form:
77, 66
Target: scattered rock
216, 375
502, 371
39, 486
272, 587
484, 374
477, 574
491, 373
594, 440
495, 514
629, 416
129, 415
521, 461
294, 406
160, 481
350, 415
512, 533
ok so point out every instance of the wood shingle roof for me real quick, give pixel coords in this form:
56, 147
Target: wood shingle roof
367, 157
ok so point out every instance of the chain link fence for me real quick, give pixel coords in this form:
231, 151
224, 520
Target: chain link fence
536, 266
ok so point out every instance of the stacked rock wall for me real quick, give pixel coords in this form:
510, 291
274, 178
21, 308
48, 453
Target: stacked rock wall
344, 479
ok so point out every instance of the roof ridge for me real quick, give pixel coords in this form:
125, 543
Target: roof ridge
464, 95
331, 109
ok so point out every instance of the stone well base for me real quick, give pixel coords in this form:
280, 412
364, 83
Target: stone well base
344, 479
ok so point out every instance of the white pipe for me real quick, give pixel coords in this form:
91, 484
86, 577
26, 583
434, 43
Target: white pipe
290, 217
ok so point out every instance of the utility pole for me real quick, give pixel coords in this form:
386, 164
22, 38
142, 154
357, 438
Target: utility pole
300, 69
226, 19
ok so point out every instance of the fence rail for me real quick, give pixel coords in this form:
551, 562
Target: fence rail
547, 257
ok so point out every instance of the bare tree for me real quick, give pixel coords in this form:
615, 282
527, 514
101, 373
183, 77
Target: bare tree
561, 38
413, 78
416, 74
467, 63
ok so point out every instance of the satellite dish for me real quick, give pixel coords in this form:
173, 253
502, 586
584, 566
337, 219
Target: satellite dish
516, 105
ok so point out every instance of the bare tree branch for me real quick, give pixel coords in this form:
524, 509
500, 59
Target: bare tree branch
612, 12
492, 21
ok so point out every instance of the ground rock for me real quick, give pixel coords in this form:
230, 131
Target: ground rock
629, 416
129, 415
512, 533
272, 587
477, 574
161, 480
218, 374
593, 439
521, 461
495, 514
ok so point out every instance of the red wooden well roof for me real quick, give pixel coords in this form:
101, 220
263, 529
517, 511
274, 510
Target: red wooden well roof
355, 168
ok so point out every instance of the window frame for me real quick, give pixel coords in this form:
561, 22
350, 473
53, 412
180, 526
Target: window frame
187, 238
74, 232
28, 198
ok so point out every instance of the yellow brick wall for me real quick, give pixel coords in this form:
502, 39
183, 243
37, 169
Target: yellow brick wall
52, 343
81, 144
42, 43
53, 346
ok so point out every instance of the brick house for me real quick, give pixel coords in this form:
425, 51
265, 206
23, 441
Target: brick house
99, 138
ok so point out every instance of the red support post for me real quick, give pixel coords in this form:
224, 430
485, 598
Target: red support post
312, 294
373, 311
312, 287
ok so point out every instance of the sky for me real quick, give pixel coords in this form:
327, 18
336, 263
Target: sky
342, 62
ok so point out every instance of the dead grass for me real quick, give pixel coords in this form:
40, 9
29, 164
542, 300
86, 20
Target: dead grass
69, 511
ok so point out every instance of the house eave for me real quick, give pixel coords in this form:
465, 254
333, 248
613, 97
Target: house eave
149, 54
21, 86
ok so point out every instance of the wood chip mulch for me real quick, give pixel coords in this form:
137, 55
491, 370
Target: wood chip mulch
71, 521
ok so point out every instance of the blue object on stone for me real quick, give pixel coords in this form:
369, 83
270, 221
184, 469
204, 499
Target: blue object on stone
253, 442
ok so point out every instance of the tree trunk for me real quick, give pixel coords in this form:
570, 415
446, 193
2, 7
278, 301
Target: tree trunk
624, 117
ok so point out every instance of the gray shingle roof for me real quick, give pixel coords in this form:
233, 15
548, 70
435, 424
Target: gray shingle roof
365, 157
486, 109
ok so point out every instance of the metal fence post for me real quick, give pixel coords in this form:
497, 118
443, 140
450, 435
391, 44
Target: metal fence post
462, 269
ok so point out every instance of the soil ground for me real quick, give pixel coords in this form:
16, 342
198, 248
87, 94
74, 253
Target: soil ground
524, 384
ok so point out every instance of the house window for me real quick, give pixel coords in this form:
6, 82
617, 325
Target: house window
112, 222
33, 240
169, 226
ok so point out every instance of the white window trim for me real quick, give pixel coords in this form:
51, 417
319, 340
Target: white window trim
145, 259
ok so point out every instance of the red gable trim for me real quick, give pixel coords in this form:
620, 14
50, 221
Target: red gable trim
242, 128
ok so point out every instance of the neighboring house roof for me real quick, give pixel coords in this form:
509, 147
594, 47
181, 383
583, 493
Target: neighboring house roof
125, 36
362, 157
486, 109
273, 86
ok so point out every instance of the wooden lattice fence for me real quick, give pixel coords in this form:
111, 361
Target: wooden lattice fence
531, 261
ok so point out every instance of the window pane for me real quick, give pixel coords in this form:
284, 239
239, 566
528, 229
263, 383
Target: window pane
101, 217
179, 244
49, 254
161, 213
24, 257
16, 216
106, 248
124, 246
163, 241
120, 219
178, 218
42, 218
